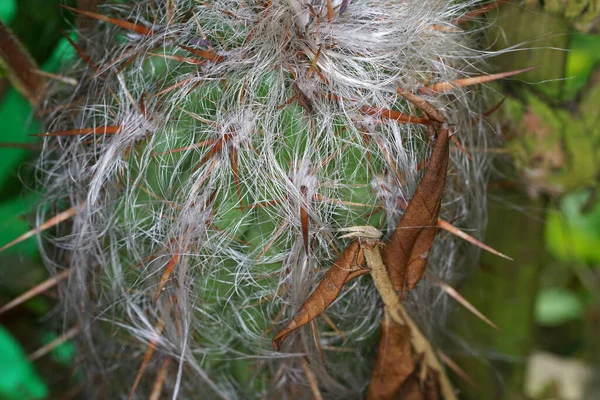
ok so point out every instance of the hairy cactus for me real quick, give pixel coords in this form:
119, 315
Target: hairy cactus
207, 159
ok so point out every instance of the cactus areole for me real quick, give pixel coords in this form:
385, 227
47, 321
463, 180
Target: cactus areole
207, 156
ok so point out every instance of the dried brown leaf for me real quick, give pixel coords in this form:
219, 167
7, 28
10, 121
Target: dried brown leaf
370, 244
19, 66
326, 292
394, 362
417, 388
405, 252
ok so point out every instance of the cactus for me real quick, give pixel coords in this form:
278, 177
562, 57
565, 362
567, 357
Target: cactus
206, 159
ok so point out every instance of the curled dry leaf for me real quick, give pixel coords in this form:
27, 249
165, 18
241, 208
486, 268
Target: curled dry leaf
397, 312
19, 66
405, 252
394, 363
416, 389
351, 260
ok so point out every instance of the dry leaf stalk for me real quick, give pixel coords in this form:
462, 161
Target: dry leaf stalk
399, 315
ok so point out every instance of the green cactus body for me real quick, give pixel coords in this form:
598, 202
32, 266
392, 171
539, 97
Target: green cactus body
236, 121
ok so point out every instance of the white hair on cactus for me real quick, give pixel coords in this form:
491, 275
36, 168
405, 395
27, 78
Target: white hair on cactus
225, 132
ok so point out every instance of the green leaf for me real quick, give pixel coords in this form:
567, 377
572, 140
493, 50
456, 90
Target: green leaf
18, 380
573, 235
63, 354
555, 306
582, 58
8, 10
17, 124
13, 224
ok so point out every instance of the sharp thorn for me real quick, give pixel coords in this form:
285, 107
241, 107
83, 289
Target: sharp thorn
57, 219
37, 289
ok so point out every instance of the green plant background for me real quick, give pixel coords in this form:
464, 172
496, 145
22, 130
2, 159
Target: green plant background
37, 24
544, 210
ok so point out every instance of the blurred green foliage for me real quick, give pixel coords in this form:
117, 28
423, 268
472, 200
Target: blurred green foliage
549, 298
582, 14
573, 232
555, 306
18, 380
8, 10
583, 56
36, 23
